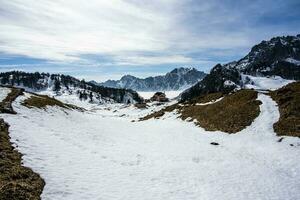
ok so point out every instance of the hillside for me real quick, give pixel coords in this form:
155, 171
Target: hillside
279, 56
177, 79
58, 85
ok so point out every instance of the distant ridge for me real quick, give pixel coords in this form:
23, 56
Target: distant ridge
177, 79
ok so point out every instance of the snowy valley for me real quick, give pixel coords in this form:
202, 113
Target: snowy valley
102, 154
233, 135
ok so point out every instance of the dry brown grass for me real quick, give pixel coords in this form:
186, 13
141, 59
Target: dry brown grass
42, 101
16, 181
288, 100
6, 104
232, 114
160, 113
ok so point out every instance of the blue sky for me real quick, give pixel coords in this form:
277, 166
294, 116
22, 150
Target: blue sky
106, 39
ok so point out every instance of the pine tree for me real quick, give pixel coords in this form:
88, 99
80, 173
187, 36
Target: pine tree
57, 86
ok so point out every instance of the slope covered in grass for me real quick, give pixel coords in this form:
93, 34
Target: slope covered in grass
42, 101
213, 112
231, 114
288, 100
6, 103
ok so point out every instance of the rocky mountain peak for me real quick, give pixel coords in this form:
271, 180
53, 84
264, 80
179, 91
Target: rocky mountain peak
177, 79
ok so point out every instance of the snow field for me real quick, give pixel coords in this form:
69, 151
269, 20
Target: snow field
100, 155
264, 83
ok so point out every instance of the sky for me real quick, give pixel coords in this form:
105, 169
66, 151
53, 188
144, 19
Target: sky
101, 39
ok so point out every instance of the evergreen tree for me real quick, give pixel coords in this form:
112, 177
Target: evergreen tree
57, 86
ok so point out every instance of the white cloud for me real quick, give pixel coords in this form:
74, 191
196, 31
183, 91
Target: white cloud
62, 30
56, 29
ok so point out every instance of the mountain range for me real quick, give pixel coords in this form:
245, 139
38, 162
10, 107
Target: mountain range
177, 79
279, 56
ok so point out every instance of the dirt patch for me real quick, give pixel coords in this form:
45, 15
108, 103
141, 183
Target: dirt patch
288, 100
232, 114
42, 101
16, 181
6, 104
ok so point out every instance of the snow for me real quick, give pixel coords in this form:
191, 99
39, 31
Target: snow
229, 83
4, 92
293, 61
266, 83
169, 94
100, 155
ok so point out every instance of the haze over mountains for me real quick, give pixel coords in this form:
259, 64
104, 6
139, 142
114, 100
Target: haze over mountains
177, 79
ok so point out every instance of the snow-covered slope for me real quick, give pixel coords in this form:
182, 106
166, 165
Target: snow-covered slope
3, 93
264, 83
101, 154
177, 79
58, 85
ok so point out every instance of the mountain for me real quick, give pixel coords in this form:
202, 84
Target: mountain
177, 79
279, 56
67, 85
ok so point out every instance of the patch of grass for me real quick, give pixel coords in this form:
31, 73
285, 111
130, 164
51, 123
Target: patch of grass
288, 100
160, 113
232, 114
6, 104
16, 181
42, 101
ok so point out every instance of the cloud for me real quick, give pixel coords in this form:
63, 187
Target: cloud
140, 32
56, 30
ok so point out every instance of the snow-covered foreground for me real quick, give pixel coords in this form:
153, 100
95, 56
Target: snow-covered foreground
100, 155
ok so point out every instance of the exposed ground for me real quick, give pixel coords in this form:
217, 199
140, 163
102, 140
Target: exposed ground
6, 104
42, 101
231, 114
16, 181
288, 100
